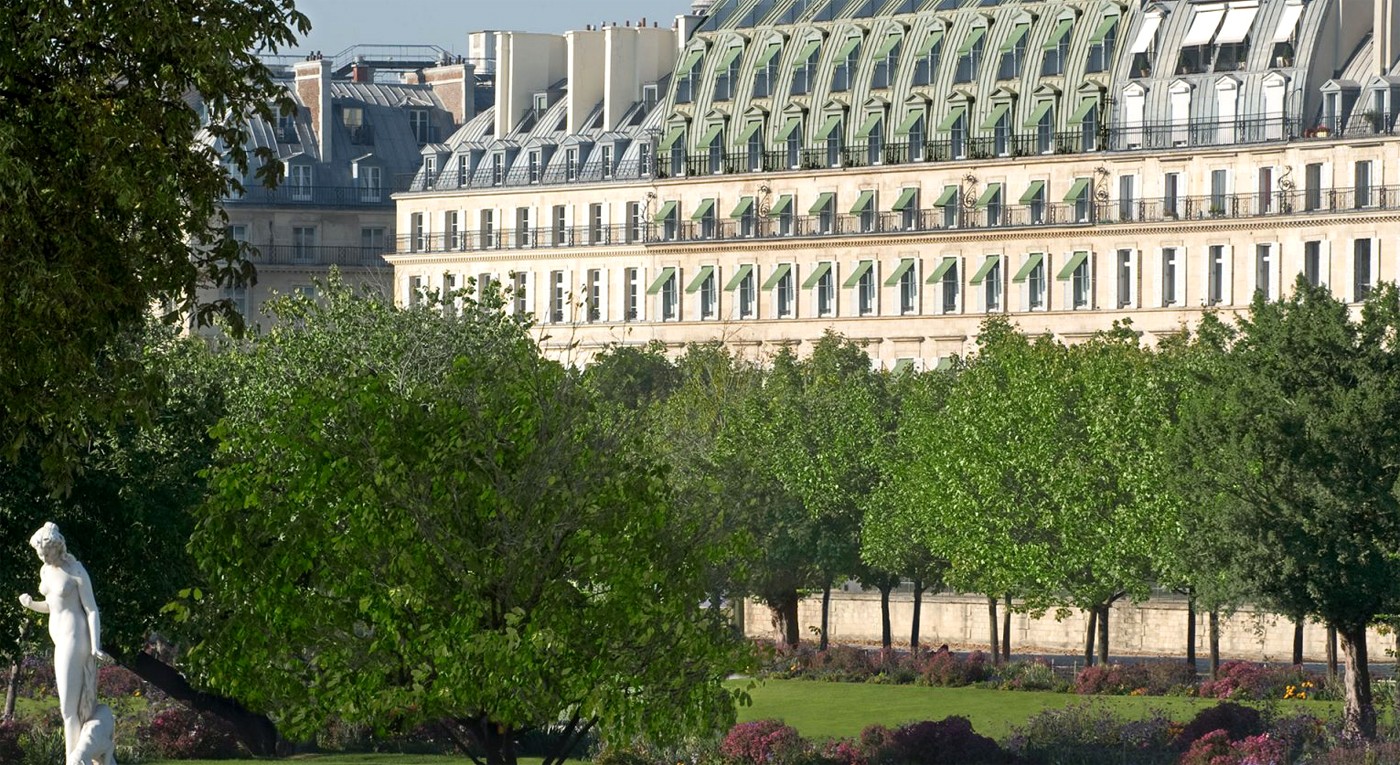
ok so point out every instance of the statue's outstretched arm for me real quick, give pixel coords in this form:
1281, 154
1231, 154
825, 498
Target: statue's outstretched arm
32, 604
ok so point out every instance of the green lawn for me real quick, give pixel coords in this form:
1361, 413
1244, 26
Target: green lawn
828, 710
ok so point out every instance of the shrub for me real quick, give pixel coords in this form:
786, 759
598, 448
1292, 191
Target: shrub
891, 666
177, 733
1238, 722
944, 668
1030, 676
1257, 682
1375, 753
1210, 749
842, 662
1216, 748
765, 742
1114, 679
1174, 678
1091, 734
950, 741
12, 732
119, 682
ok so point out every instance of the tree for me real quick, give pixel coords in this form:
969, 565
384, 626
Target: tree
1293, 444
111, 180
436, 527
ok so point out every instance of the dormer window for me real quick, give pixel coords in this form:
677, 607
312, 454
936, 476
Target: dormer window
1056, 49
370, 182
607, 162
846, 59
287, 128
1283, 35
1013, 52
727, 73
534, 166
299, 177
926, 65
429, 170
886, 61
685, 76
498, 163
571, 164
805, 70
418, 123
970, 55
765, 76
1101, 45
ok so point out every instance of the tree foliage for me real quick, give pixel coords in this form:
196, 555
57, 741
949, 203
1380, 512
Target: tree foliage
445, 531
111, 179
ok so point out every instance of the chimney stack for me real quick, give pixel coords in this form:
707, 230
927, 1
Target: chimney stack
455, 86
360, 71
313, 84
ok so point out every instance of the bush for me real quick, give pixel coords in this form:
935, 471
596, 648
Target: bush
1030, 676
1238, 722
1092, 734
1216, 748
1257, 682
765, 742
1375, 753
950, 741
12, 733
119, 682
944, 668
177, 733
1113, 680
1175, 678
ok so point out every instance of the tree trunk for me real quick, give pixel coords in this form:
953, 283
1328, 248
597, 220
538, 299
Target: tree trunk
1089, 630
255, 731
1006, 631
1359, 712
918, 608
886, 634
1191, 632
1331, 652
823, 640
739, 607
1214, 644
11, 690
785, 617
1298, 642
992, 616
1103, 632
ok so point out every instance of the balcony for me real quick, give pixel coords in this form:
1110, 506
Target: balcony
317, 256
286, 195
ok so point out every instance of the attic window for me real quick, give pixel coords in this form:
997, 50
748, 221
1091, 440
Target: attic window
287, 128
353, 116
418, 121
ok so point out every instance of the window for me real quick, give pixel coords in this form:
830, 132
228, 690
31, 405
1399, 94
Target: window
826, 290
559, 219
556, 296
1362, 184
970, 56
836, 130
793, 143
670, 220
1056, 49
1312, 263
864, 211
1013, 53
908, 288
1079, 196
866, 295
1171, 195
908, 208
1312, 186
685, 77
950, 201
636, 229
301, 182
1264, 271
1215, 275
1266, 190
1081, 280
805, 72
238, 295
670, 295
746, 217
304, 243
463, 170
748, 294
709, 294
1045, 127
372, 241
989, 277
597, 233
786, 292
644, 159
1034, 200
1102, 44
415, 291
1171, 269
765, 76
1001, 131
926, 65
753, 148
1219, 191
991, 202
418, 122
918, 139
430, 167
534, 166
886, 62
951, 285
418, 236
727, 74
633, 309
487, 229
1031, 277
1089, 125
846, 59
607, 161
1362, 274
571, 164
498, 165
369, 182
524, 231
595, 295
875, 143
1127, 205
705, 216
1126, 273
455, 239
825, 210
519, 292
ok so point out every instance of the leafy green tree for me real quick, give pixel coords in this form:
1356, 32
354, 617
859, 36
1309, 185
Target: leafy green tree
415, 518
111, 180
1293, 445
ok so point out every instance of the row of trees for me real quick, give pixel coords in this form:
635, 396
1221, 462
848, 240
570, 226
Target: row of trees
1255, 461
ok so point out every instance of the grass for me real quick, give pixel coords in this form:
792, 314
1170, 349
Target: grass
820, 709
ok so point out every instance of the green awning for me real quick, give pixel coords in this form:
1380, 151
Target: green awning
949, 194
993, 191
788, 127
823, 202
1032, 191
667, 274
1085, 106
888, 44
847, 48
784, 202
1101, 31
665, 213
910, 120
871, 122
906, 198
742, 209
749, 130
738, 277
821, 270
863, 202
805, 54
998, 112
942, 270
952, 118
902, 367
1018, 33
1072, 265
706, 207
986, 268
710, 135
934, 38
777, 276
856, 275
971, 40
688, 62
1077, 190
699, 281
899, 272
769, 53
1058, 33
1032, 261
672, 136
828, 127
730, 54
1041, 109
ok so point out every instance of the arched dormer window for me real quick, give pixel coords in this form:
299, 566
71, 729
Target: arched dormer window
831, 133
844, 64
1103, 42
970, 54
727, 72
911, 134
1134, 104
1227, 95
686, 75
765, 69
927, 56
872, 131
1013, 49
1056, 47
952, 131
804, 67
887, 60
672, 147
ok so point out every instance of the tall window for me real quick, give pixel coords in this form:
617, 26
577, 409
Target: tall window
556, 296
1362, 279
765, 75
1056, 49
455, 240
534, 166
709, 296
1312, 263
1082, 284
926, 65
805, 72
1013, 53
633, 309
1263, 271
952, 285
786, 293
1219, 191
487, 229
498, 168
1036, 284
597, 234
524, 227
371, 241
606, 160
559, 223
748, 295
301, 182
519, 293
970, 56
418, 122
826, 291
1215, 275
595, 295
370, 183
671, 297
1170, 269
1312, 186
1362, 184
1171, 195
1126, 278
636, 228
304, 243
887, 64
418, 233
991, 286
909, 290
1127, 205
866, 290
846, 61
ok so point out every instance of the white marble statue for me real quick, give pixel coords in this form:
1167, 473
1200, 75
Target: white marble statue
76, 630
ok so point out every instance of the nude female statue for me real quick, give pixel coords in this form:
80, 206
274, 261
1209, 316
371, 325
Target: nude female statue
74, 626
